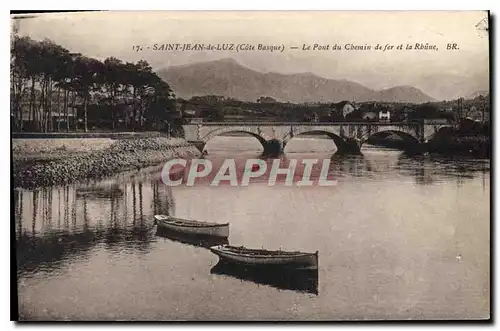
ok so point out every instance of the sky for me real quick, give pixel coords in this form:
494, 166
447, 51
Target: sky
443, 74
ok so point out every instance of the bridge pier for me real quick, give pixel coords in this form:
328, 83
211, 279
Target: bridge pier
351, 146
200, 145
273, 147
415, 149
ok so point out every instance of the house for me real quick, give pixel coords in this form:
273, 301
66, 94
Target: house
55, 119
442, 121
369, 115
315, 117
196, 120
384, 115
343, 107
367, 111
190, 112
405, 112
180, 105
266, 100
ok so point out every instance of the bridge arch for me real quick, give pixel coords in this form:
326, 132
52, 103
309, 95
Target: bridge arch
408, 140
436, 130
247, 131
339, 142
402, 134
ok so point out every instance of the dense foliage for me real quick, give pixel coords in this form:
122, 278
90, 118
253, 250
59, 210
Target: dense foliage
53, 89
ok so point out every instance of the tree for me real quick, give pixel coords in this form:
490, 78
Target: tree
426, 110
112, 83
86, 71
49, 65
161, 105
41, 70
143, 81
19, 71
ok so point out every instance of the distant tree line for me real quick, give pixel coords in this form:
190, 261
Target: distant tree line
51, 87
218, 108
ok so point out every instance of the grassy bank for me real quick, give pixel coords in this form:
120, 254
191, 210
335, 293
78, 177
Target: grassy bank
37, 149
57, 161
87, 135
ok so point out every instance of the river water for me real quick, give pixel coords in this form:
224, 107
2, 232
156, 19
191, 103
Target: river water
398, 237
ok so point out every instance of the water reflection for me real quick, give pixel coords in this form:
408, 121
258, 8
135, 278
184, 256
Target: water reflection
424, 170
193, 240
375, 164
97, 192
56, 225
281, 278
391, 234
430, 170
48, 253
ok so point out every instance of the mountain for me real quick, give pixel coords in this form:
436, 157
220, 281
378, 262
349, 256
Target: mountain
477, 93
402, 94
228, 78
451, 86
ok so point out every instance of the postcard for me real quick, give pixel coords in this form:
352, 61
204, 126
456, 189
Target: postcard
251, 165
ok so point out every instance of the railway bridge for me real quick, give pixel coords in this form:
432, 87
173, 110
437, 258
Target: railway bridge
348, 136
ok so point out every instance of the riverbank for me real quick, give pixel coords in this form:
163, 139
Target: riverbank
449, 144
477, 146
47, 162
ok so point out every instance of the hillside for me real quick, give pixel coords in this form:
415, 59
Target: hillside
476, 94
228, 78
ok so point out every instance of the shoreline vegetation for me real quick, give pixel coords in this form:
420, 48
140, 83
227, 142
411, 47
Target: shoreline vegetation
50, 162
477, 146
454, 145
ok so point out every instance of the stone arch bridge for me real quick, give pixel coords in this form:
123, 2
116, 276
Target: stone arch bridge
348, 136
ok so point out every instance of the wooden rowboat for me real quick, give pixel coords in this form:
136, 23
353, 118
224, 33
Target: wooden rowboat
261, 257
192, 226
